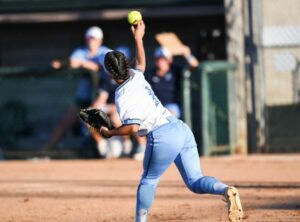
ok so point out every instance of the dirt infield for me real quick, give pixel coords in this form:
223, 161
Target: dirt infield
104, 191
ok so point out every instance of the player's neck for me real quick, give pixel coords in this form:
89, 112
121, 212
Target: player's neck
119, 81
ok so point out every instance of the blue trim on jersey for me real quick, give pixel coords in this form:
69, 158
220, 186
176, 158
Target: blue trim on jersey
124, 83
132, 121
131, 124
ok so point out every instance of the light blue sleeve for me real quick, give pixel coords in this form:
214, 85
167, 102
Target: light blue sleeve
78, 54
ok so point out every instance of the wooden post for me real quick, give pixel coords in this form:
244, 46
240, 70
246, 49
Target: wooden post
235, 53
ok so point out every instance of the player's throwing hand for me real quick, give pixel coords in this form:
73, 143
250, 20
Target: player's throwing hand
138, 30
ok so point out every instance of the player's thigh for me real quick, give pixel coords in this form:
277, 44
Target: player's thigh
190, 141
188, 164
163, 146
187, 161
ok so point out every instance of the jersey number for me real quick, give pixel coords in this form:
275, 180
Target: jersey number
151, 93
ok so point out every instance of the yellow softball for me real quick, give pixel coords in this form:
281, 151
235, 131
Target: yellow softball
134, 17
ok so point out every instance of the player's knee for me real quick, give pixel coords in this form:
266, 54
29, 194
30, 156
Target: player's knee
191, 187
149, 183
195, 187
145, 196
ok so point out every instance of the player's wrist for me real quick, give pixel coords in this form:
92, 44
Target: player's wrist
138, 39
105, 132
110, 133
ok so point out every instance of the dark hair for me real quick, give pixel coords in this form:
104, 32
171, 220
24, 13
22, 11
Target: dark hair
117, 65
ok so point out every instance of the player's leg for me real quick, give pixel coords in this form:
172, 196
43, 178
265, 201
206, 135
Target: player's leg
163, 146
188, 164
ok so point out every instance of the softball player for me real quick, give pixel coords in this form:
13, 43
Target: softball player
168, 139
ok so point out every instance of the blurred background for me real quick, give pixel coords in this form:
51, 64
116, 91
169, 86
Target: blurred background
243, 96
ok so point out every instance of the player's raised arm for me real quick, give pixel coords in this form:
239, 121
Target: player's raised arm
138, 32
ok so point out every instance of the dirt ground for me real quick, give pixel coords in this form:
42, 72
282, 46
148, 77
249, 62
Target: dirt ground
104, 190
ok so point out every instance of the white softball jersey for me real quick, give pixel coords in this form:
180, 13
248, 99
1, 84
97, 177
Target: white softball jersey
137, 104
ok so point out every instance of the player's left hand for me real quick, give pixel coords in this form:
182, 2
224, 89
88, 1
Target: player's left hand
105, 132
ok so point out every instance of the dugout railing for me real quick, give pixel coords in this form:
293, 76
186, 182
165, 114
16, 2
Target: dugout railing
208, 101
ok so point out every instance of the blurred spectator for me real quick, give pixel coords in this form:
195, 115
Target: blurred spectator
164, 77
106, 102
86, 58
125, 50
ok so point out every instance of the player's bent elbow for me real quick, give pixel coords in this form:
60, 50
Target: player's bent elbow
134, 128
141, 68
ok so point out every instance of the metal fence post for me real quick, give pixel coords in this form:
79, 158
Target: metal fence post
186, 97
